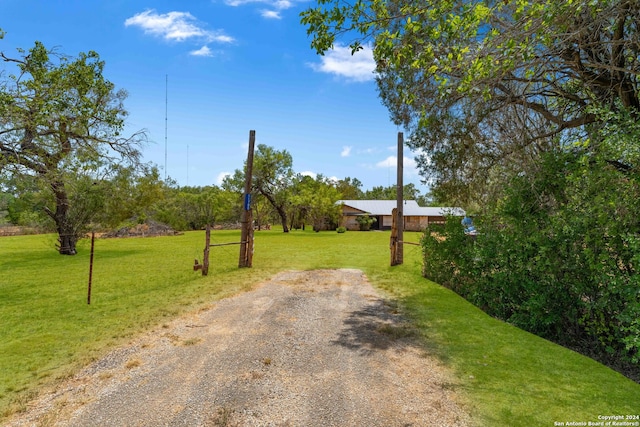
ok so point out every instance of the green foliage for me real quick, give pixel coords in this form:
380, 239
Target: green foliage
447, 253
341, 230
409, 192
61, 125
192, 208
365, 221
529, 111
272, 178
27, 210
485, 87
295, 200
558, 257
129, 192
511, 377
314, 201
349, 188
4, 205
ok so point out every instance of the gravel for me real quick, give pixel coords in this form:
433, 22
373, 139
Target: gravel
307, 348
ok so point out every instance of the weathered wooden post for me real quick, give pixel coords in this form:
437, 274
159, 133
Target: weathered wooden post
393, 244
397, 236
246, 240
207, 248
250, 240
93, 238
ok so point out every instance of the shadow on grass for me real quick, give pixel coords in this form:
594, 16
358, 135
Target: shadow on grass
511, 376
378, 326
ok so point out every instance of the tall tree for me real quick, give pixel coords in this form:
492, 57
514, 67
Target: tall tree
130, 193
60, 117
534, 106
350, 188
314, 201
483, 84
272, 179
409, 192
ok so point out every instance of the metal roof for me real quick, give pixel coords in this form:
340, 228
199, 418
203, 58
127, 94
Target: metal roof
410, 208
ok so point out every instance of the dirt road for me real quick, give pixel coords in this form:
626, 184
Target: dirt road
318, 348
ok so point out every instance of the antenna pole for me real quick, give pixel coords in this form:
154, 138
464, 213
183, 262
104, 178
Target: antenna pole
166, 109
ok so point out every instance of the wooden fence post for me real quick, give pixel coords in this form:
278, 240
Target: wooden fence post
393, 244
249, 255
397, 255
207, 246
93, 238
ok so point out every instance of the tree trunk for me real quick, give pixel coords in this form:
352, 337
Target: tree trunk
67, 236
283, 218
279, 209
67, 241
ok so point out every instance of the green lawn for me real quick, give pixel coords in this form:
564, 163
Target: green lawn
505, 376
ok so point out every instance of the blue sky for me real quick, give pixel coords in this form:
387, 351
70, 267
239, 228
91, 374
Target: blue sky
225, 67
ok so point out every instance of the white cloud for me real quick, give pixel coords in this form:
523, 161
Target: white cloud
283, 4
370, 150
346, 151
408, 164
358, 67
203, 51
236, 3
276, 4
222, 38
309, 173
271, 14
390, 161
175, 26
222, 176
272, 9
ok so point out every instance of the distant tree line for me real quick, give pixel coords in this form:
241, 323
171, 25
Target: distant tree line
66, 167
127, 196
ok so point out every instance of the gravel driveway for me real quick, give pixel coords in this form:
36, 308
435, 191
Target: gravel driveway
312, 348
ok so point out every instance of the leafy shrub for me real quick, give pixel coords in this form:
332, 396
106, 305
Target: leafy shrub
341, 229
558, 257
365, 221
447, 251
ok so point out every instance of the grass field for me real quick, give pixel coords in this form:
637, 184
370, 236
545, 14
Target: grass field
505, 376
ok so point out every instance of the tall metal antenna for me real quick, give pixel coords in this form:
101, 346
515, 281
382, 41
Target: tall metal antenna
166, 104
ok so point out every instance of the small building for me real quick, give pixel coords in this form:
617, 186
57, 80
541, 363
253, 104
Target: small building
416, 218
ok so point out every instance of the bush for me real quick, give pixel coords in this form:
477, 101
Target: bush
447, 251
365, 221
341, 229
558, 257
